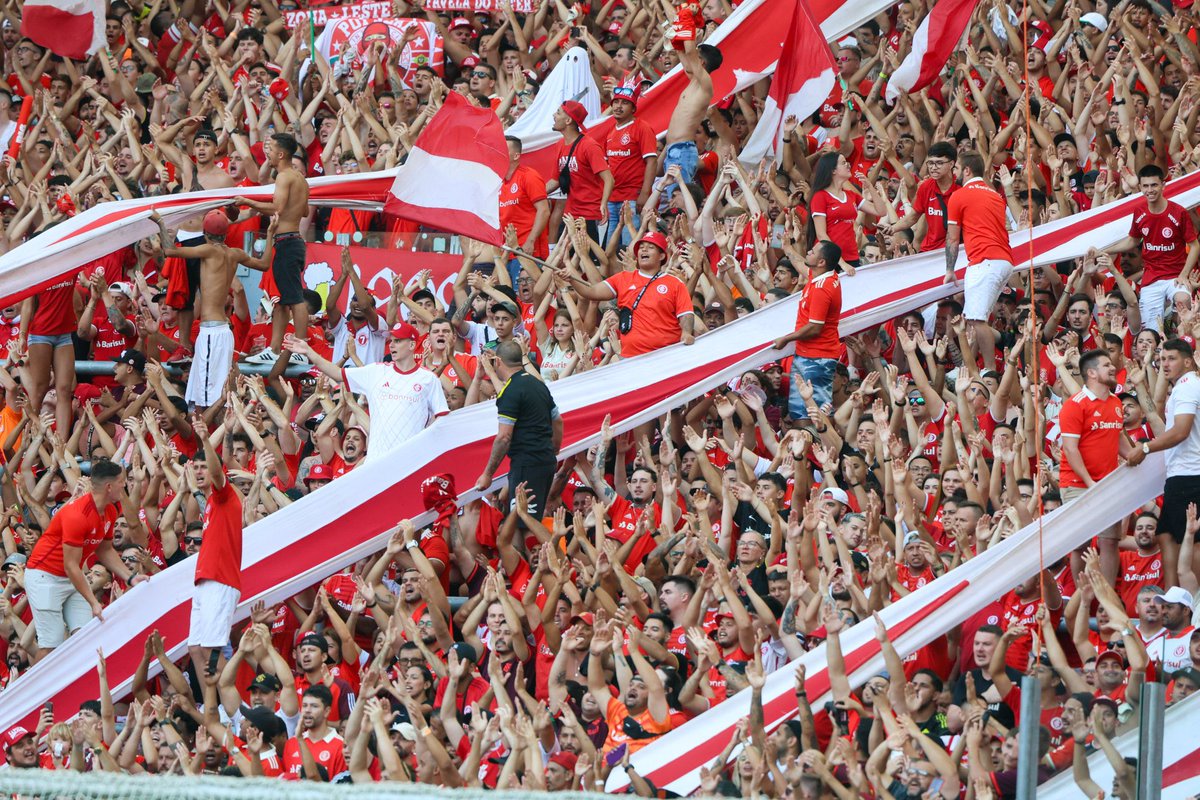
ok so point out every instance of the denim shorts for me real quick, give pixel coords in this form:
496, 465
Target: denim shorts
56, 340
819, 373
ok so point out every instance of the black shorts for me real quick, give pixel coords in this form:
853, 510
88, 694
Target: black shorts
1178, 492
537, 479
287, 268
193, 273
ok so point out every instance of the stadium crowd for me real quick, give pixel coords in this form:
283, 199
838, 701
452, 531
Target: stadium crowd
538, 637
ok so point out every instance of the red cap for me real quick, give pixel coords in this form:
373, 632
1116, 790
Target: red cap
13, 735
576, 111
470, 61
402, 330
565, 760
627, 93
587, 618
320, 472
216, 223
655, 238
461, 22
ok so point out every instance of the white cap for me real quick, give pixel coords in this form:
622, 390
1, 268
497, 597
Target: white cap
1097, 21
1177, 595
834, 493
121, 287
911, 537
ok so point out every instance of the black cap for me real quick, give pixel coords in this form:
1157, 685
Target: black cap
266, 721
133, 358
265, 682
423, 294
315, 640
205, 133
465, 652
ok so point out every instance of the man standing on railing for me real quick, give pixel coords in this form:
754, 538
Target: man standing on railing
976, 215
290, 205
215, 345
219, 563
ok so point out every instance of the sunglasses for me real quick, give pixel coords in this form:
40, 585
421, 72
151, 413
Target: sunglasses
192, 539
479, 73
916, 401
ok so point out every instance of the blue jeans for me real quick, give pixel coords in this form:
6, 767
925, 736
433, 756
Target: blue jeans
819, 373
614, 221
688, 158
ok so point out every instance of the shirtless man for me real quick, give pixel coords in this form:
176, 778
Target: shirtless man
218, 267
201, 171
699, 61
290, 205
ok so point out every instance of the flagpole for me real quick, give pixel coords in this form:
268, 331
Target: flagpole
519, 253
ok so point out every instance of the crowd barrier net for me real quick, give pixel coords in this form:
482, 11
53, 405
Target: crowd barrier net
28, 784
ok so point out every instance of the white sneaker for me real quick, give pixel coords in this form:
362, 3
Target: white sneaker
264, 356
298, 358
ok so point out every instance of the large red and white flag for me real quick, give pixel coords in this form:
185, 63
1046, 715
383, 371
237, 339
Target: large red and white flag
68, 28
451, 178
803, 79
936, 38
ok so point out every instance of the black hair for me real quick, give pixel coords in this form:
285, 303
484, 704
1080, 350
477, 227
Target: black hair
105, 471
250, 34
830, 253
321, 692
1089, 360
823, 173
684, 582
1151, 171
514, 140
711, 56
942, 150
1180, 346
285, 141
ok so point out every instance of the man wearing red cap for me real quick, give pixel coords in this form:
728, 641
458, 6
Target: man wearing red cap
402, 396
20, 748
655, 308
632, 152
583, 174
214, 347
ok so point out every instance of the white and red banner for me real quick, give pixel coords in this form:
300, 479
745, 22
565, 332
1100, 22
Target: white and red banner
70, 28
748, 59
465, 7
451, 178
377, 267
322, 17
357, 35
936, 38
803, 79
373, 9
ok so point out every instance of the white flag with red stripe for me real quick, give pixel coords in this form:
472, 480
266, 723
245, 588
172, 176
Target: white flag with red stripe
936, 38
70, 28
803, 79
451, 178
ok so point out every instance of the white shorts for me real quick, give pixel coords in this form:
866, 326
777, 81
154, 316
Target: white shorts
213, 605
983, 284
57, 608
210, 364
1157, 300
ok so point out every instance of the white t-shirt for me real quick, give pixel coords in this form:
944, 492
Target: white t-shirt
1184, 458
401, 403
369, 343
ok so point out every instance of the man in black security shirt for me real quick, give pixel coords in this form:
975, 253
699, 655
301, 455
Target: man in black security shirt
530, 430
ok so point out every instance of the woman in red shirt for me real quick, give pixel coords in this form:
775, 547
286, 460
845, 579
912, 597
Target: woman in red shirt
53, 315
834, 208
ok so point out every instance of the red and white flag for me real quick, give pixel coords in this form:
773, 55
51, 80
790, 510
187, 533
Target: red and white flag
936, 38
70, 28
451, 179
803, 79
